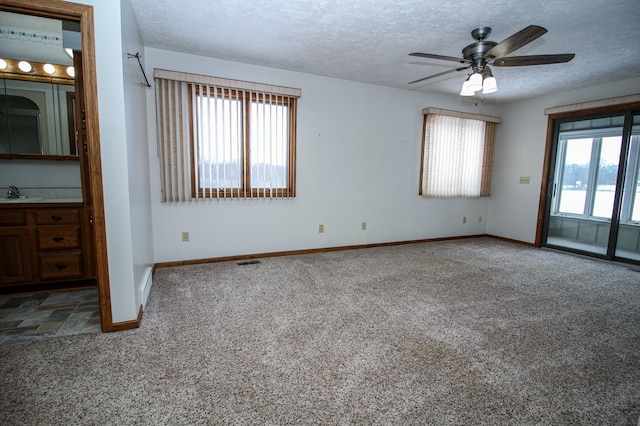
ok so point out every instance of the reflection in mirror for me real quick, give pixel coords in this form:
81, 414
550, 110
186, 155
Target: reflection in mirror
37, 99
37, 118
20, 125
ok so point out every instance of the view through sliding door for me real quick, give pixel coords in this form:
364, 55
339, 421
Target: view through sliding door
594, 203
628, 239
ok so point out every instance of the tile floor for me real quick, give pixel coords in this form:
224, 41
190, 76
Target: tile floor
45, 315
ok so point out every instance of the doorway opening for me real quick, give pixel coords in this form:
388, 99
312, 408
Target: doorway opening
89, 138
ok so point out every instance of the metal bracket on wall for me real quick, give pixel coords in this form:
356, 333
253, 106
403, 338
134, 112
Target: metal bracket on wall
137, 56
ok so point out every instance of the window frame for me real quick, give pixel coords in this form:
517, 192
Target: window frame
592, 176
632, 175
247, 99
176, 123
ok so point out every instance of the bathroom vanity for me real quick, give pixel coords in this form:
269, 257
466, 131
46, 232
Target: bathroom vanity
45, 244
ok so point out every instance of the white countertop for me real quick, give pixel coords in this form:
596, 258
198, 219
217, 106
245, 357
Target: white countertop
34, 200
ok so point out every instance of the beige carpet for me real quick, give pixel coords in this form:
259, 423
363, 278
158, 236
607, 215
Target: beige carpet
474, 331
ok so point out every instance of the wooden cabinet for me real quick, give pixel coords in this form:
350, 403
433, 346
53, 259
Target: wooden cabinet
58, 240
44, 244
15, 264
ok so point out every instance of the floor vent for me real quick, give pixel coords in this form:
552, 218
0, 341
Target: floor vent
248, 262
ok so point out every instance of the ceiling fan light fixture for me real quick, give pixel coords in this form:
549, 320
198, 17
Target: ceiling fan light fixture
483, 52
489, 85
465, 89
475, 82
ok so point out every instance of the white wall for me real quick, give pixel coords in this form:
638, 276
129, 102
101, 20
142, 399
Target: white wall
114, 151
520, 146
39, 174
358, 160
137, 155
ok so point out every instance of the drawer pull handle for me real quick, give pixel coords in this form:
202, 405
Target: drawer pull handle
58, 239
56, 218
60, 266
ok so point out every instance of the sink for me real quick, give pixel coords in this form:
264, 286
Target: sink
20, 200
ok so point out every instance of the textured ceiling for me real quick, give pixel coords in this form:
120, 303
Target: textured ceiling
369, 40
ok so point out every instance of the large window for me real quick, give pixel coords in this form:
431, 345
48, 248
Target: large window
457, 154
225, 138
244, 143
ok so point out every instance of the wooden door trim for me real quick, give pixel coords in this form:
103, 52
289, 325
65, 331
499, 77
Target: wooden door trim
83, 14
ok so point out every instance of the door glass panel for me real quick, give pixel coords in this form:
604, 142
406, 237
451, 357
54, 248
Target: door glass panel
607, 174
635, 205
573, 186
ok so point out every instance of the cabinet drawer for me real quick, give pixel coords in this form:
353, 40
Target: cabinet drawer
54, 238
13, 218
60, 265
57, 216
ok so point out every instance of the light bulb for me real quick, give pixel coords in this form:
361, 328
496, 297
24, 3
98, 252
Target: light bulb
24, 66
71, 71
3, 64
49, 69
475, 82
465, 89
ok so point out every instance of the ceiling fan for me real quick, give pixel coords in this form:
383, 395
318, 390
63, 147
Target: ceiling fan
480, 55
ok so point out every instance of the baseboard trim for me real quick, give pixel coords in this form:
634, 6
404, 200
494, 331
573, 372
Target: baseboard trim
127, 325
146, 288
509, 240
308, 251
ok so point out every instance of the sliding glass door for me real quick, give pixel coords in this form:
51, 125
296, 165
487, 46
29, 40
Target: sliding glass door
628, 239
593, 206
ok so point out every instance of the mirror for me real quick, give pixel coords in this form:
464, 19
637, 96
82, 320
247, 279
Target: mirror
34, 118
37, 87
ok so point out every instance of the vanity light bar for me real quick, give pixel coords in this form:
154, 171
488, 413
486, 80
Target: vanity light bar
31, 69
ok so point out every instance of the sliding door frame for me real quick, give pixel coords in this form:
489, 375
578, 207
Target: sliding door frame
546, 187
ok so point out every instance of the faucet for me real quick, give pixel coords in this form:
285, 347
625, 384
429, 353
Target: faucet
13, 192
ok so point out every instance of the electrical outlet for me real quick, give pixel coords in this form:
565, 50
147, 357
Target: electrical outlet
320, 229
364, 226
464, 219
525, 180
185, 237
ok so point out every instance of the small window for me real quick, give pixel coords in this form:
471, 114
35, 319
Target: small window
226, 138
457, 154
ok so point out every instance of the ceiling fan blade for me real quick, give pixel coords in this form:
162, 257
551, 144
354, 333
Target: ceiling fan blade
439, 74
444, 58
515, 42
520, 61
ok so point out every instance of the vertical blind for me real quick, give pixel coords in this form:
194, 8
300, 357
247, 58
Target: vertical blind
457, 154
222, 138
